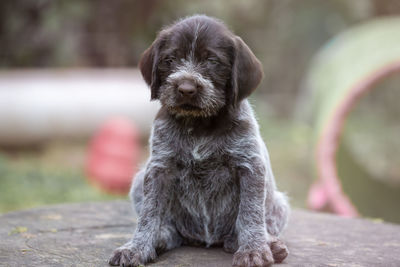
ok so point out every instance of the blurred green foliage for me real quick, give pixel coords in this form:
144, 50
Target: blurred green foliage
48, 175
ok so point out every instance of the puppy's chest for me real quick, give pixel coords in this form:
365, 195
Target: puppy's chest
205, 188
206, 193
203, 172
198, 163
202, 158
200, 149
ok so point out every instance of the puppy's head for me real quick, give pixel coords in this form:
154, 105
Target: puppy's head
197, 66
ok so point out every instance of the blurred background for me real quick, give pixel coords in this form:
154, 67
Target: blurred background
72, 100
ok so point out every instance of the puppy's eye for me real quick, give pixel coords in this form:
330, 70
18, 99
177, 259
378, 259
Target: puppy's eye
212, 61
168, 61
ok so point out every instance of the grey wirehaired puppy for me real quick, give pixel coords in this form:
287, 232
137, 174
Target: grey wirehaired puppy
208, 180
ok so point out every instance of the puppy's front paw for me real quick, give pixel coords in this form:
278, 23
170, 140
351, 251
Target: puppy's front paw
279, 250
130, 256
253, 258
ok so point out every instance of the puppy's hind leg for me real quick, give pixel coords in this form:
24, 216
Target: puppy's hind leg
277, 214
169, 237
276, 217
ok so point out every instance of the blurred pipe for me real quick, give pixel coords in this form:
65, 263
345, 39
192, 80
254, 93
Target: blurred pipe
38, 105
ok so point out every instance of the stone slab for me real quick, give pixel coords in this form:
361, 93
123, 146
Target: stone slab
86, 234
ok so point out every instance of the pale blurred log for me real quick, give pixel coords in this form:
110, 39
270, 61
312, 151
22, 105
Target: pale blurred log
38, 105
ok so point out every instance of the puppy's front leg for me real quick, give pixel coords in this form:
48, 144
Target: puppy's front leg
253, 239
142, 248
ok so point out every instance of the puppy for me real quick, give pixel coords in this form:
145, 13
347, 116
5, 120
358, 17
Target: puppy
208, 180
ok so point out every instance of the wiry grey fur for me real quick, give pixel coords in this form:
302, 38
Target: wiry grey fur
208, 180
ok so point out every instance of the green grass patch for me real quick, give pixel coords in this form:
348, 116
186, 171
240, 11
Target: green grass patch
52, 175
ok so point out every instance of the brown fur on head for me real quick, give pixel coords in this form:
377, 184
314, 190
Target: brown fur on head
215, 65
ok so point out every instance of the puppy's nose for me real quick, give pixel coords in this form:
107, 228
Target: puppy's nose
187, 88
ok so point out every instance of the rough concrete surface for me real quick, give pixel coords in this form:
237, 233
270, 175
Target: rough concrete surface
86, 234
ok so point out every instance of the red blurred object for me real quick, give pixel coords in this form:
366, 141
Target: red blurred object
113, 156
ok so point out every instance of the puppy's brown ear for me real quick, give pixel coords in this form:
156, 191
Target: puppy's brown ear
148, 67
246, 72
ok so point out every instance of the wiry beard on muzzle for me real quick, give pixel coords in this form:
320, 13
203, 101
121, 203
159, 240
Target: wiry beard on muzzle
207, 101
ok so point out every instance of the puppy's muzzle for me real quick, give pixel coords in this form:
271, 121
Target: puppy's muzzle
187, 88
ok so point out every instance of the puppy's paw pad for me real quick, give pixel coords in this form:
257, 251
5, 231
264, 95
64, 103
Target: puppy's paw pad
279, 250
125, 257
253, 258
